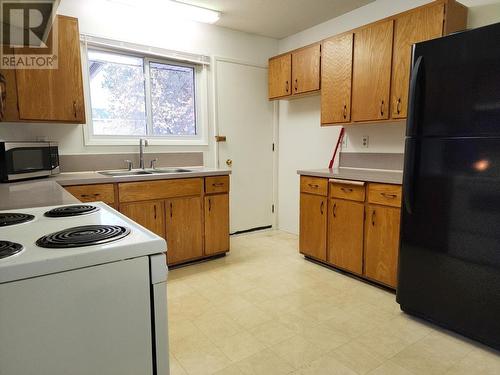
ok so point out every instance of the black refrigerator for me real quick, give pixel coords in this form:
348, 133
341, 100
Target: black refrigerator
449, 261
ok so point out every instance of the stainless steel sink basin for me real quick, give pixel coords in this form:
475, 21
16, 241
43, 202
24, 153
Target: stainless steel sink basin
169, 170
124, 173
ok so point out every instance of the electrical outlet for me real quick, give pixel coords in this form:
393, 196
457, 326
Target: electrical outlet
365, 141
344, 141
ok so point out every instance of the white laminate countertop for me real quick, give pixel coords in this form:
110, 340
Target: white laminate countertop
50, 192
357, 174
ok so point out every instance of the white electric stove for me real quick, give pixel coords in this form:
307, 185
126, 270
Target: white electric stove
82, 291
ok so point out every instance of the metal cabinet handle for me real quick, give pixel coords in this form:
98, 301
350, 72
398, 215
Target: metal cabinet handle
287, 84
296, 85
398, 106
382, 108
334, 210
218, 184
209, 205
75, 112
373, 218
321, 207
154, 206
389, 196
313, 186
345, 111
171, 210
346, 190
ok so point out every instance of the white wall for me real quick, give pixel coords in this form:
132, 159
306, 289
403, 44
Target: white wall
145, 26
303, 144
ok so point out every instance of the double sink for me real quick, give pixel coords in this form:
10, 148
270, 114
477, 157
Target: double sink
140, 172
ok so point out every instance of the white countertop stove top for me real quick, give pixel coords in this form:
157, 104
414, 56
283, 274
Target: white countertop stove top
34, 260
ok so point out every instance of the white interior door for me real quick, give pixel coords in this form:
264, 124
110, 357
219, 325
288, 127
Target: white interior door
245, 117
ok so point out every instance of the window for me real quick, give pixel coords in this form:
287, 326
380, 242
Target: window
134, 96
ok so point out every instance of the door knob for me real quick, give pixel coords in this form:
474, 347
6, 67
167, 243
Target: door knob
229, 162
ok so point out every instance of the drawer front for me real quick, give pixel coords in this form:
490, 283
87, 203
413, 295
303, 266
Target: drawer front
314, 185
385, 194
347, 191
162, 189
93, 193
217, 184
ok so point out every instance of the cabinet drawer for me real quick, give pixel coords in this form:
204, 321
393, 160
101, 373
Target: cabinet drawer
353, 192
162, 189
385, 194
216, 184
314, 185
93, 193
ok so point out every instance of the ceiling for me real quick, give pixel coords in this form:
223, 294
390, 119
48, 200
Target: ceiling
276, 18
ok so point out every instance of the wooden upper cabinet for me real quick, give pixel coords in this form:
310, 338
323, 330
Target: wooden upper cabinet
416, 26
216, 223
382, 244
306, 69
184, 229
55, 94
150, 215
313, 225
336, 79
280, 76
345, 235
372, 72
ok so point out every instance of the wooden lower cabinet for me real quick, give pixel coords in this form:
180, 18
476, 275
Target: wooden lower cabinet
345, 235
313, 225
149, 214
184, 229
216, 224
382, 244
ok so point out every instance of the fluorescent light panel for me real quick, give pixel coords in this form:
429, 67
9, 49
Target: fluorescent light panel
173, 10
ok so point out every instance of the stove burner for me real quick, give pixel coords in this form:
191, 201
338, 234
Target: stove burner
66, 211
8, 248
12, 218
86, 235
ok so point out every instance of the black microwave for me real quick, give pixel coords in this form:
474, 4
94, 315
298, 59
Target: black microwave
26, 160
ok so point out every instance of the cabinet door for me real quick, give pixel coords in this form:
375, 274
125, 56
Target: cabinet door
336, 79
422, 24
372, 72
150, 215
280, 76
184, 229
312, 239
345, 235
216, 223
55, 94
305, 69
382, 244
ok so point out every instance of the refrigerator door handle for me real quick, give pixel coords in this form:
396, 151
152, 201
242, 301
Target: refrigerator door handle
409, 171
411, 125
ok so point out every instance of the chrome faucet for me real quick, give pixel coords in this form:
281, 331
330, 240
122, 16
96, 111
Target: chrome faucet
142, 143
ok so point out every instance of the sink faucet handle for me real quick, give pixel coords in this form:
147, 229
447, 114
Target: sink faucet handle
129, 164
153, 163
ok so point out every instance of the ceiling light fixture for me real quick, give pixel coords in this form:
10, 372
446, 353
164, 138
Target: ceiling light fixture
171, 9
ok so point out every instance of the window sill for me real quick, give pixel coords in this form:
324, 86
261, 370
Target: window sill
151, 142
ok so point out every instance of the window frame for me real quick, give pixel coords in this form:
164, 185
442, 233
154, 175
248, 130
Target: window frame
200, 100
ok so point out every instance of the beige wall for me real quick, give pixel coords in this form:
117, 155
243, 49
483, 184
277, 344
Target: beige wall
303, 143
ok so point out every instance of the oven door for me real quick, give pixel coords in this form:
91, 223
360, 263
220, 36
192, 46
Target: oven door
24, 160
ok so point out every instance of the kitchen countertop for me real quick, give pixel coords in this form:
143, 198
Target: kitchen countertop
357, 174
50, 192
